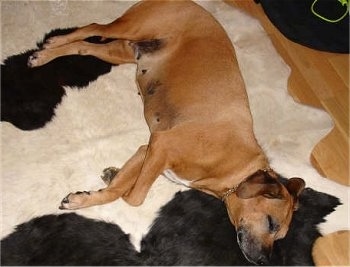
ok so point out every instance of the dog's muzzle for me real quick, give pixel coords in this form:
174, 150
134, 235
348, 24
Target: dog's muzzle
252, 249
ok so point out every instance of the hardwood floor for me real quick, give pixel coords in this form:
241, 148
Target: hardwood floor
332, 249
319, 79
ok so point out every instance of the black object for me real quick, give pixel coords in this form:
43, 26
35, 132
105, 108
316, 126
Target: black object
296, 21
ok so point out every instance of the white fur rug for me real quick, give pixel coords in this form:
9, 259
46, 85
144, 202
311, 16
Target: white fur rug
103, 125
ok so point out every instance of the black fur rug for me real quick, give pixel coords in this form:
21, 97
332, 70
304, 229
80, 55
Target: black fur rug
192, 229
30, 95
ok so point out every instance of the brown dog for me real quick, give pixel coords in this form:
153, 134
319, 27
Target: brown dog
196, 107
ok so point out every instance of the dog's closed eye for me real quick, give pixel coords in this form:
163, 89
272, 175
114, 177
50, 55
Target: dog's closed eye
272, 195
272, 224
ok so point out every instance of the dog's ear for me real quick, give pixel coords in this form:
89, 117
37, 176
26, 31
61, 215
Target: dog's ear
257, 184
295, 186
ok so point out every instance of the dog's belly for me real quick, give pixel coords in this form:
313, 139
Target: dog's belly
173, 177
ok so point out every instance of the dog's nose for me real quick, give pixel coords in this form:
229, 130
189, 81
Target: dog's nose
239, 237
263, 260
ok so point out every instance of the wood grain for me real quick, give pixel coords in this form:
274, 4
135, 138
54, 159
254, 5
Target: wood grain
332, 249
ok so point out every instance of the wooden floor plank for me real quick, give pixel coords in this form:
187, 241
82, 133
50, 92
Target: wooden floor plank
332, 250
341, 65
338, 107
330, 157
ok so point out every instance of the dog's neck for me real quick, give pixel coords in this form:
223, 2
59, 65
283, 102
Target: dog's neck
233, 190
231, 177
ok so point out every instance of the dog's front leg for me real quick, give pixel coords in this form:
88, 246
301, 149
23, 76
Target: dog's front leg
117, 187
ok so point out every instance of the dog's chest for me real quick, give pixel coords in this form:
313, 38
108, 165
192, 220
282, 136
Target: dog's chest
173, 177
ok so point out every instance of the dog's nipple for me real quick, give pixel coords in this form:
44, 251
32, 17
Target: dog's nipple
157, 116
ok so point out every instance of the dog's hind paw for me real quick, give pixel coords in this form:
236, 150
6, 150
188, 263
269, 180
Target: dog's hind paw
109, 174
33, 60
39, 58
54, 42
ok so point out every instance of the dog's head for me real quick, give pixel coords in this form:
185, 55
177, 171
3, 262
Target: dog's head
261, 210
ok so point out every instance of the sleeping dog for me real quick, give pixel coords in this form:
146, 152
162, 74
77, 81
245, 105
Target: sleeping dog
197, 110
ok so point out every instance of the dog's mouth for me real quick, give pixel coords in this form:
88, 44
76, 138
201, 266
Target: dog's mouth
252, 249
262, 260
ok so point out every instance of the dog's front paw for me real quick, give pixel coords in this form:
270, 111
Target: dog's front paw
75, 201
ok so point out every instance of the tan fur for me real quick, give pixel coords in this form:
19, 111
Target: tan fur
195, 105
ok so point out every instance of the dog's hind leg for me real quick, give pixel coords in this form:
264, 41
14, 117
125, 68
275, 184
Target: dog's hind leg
140, 22
79, 34
115, 52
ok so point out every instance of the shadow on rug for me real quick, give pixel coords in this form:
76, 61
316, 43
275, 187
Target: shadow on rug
192, 229
30, 95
